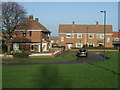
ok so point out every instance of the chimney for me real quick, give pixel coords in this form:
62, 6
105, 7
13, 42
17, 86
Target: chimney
97, 23
73, 22
36, 19
31, 17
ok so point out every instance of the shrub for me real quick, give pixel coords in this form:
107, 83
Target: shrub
63, 47
20, 54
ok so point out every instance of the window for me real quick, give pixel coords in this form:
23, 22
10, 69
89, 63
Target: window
78, 44
62, 38
91, 44
72, 35
15, 46
116, 39
79, 35
108, 39
52, 41
24, 34
91, 35
101, 36
97, 36
30, 33
32, 47
68, 36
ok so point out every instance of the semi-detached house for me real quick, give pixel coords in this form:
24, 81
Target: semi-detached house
31, 36
77, 35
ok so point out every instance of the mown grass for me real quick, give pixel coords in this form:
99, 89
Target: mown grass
69, 56
82, 75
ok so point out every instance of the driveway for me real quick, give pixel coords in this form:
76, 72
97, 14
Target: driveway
92, 57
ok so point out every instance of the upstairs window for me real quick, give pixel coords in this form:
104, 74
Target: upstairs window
101, 36
30, 33
108, 39
62, 38
91, 35
117, 39
78, 44
97, 36
24, 34
68, 36
73, 35
79, 35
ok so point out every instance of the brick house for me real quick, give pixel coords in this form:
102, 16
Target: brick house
76, 35
31, 36
116, 38
54, 40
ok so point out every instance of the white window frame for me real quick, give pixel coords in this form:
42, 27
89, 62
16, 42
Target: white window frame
101, 37
68, 34
33, 47
116, 39
72, 35
108, 39
80, 44
78, 35
92, 35
15, 46
24, 34
62, 38
52, 41
97, 36
90, 44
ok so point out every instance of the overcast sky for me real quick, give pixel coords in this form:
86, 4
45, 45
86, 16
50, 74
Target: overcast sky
51, 14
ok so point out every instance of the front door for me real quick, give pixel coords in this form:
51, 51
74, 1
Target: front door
69, 45
100, 44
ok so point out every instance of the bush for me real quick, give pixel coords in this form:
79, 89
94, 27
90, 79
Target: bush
20, 54
63, 47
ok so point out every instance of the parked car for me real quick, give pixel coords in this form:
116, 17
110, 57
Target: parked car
82, 53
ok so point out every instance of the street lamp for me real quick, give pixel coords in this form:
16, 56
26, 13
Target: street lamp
104, 30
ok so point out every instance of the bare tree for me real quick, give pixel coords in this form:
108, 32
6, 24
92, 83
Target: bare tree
13, 14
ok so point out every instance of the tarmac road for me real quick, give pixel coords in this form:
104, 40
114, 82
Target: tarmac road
92, 57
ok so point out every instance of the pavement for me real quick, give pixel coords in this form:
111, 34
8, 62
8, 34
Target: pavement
92, 57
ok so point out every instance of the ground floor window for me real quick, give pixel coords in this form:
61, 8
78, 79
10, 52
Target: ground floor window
32, 47
78, 44
100, 45
91, 45
62, 38
15, 46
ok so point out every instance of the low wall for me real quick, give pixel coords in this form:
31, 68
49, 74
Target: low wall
54, 54
47, 54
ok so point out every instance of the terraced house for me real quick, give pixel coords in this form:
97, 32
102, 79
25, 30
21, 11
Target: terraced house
31, 36
77, 35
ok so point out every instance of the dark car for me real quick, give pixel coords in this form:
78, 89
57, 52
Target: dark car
82, 53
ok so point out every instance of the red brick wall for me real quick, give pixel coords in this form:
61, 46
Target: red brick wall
83, 40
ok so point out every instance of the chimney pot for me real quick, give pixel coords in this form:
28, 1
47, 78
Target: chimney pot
36, 19
73, 22
31, 17
97, 23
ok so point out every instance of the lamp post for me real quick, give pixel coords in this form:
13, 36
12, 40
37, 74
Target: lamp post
104, 30
41, 43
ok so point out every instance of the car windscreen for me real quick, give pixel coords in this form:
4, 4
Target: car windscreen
82, 50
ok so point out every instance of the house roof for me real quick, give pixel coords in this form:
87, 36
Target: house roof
116, 34
78, 28
31, 24
54, 37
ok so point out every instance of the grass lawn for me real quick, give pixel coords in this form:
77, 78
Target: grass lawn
69, 56
83, 75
